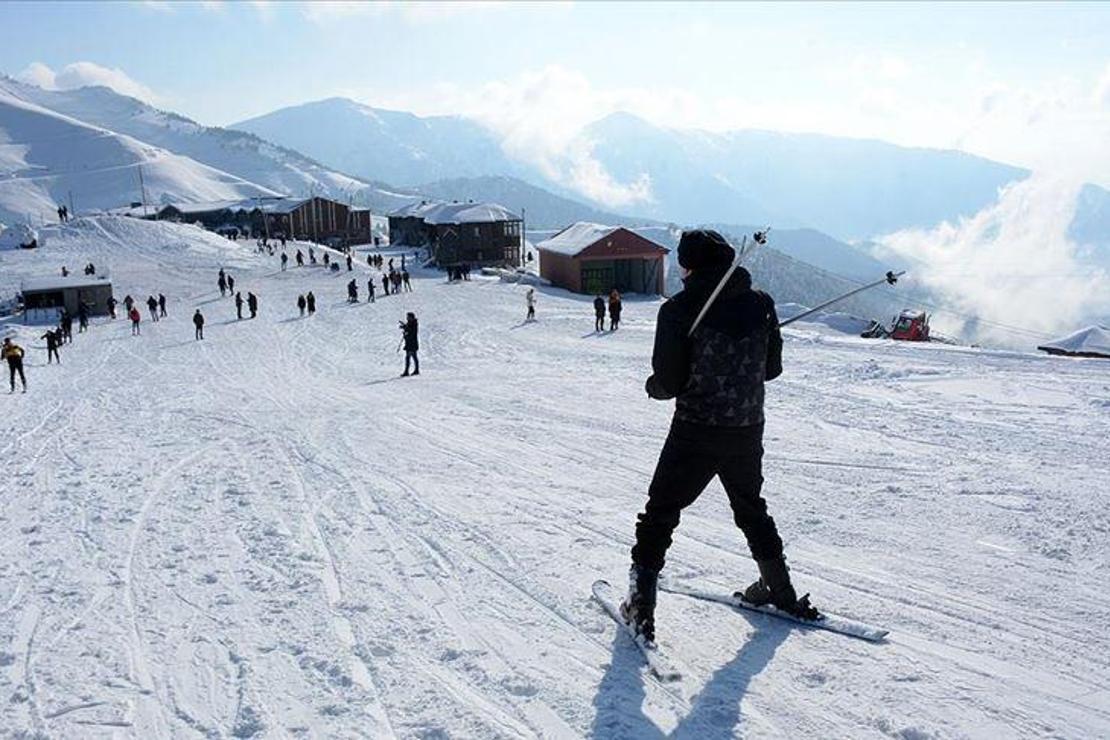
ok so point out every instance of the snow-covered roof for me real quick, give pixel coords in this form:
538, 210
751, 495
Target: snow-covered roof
1094, 340
456, 213
269, 205
575, 238
57, 282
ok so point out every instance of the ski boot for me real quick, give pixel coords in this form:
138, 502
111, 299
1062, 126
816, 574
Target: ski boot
774, 588
638, 607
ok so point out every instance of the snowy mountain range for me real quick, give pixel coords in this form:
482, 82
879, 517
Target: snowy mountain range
852, 189
48, 158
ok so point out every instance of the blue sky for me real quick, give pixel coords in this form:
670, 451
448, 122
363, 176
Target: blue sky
1025, 83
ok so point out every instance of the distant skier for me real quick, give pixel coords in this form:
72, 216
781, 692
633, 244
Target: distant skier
301, 303
300, 258
409, 330
53, 339
284, 261
239, 306
161, 305
252, 304
198, 325
112, 303
716, 376
530, 299
152, 304
599, 313
352, 292
13, 353
136, 319
67, 326
370, 290
222, 283
615, 308
310, 300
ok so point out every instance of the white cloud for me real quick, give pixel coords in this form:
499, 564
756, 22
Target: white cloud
86, 74
1011, 264
329, 11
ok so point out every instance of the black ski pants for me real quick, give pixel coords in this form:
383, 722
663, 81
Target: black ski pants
52, 354
599, 322
692, 455
411, 354
15, 365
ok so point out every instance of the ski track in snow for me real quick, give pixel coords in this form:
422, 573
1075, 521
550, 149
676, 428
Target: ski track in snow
270, 534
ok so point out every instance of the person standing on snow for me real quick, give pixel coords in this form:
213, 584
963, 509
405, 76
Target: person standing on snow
112, 303
352, 292
239, 306
599, 313
310, 300
300, 258
370, 289
284, 261
530, 299
198, 325
13, 353
350, 263
82, 318
128, 302
222, 282
385, 284
136, 319
67, 326
301, 304
161, 305
405, 280
252, 304
230, 284
52, 339
409, 330
716, 377
152, 304
615, 309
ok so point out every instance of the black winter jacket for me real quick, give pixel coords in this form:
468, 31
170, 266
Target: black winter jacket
716, 375
410, 329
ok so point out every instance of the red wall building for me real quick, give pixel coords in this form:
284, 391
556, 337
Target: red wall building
594, 259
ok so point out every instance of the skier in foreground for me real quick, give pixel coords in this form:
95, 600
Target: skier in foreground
13, 353
716, 377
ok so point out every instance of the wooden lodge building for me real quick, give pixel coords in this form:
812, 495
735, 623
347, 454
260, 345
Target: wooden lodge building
477, 234
316, 219
594, 259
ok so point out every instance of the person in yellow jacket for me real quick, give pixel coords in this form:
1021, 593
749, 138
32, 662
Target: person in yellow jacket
13, 353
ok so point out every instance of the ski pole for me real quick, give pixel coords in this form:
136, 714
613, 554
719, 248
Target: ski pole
891, 277
759, 237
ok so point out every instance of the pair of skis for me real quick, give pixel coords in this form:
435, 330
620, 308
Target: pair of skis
609, 599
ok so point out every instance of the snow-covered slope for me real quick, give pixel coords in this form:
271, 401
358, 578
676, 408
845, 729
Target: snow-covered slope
236, 152
270, 534
47, 158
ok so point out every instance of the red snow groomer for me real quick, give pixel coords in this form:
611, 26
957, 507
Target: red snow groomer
911, 326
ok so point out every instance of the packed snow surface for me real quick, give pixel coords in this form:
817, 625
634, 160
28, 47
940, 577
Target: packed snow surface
270, 534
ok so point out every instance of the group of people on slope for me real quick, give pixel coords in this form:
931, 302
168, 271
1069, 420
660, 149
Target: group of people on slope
614, 311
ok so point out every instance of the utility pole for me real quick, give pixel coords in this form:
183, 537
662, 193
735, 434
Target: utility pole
523, 239
142, 188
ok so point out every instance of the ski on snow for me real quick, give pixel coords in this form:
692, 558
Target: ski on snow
607, 597
830, 622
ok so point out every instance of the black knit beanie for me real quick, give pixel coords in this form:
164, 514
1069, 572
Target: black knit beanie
704, 249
